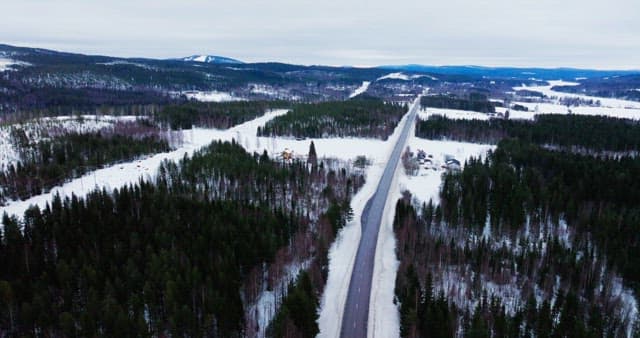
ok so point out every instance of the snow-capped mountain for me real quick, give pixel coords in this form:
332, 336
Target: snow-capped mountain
211, 59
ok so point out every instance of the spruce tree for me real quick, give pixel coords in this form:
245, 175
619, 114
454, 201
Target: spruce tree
312, 158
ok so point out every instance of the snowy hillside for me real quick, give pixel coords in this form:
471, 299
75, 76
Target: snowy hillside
363, 88
8, 64
211, 59
404, 77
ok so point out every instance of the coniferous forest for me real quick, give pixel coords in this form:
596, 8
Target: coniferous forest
221, 115
184, 255
528, 241
474, 102
50, 162
366, 117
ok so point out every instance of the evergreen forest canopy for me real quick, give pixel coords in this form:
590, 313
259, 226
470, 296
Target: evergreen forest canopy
453, 280
558, 200
360, 117
123, 263
221, 115
473, 102
521, 182
549, 219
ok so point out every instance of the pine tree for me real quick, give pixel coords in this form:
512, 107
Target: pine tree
312, 158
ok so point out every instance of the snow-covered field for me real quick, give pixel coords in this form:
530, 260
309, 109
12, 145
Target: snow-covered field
426, 185
211, 96
608, 106
605, 102
452, 114
363, 88
554, 108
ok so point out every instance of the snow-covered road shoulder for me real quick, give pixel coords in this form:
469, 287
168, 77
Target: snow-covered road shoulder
343, 251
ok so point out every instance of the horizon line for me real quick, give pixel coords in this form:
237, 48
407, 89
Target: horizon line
312, 64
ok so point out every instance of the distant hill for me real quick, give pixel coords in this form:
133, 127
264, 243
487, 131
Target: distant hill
568, 74
211, 59
36, 78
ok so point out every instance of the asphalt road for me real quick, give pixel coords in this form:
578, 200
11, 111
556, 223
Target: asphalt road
356, 311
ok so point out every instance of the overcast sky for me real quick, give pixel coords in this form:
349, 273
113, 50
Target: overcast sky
601, 34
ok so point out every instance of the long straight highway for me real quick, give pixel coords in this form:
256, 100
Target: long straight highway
356, 311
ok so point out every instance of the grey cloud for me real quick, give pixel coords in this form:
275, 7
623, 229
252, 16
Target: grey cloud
547, 33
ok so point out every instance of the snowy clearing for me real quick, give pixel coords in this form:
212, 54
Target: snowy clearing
452, 114
536, 108
211, 96
363, 88
604, 102
608, 106
274, 92
426, 185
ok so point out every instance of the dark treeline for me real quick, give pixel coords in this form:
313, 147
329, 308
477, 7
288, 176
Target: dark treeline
51, 162
176, 257
357, 118
130, 109
596, 133
220, 115
595, 196
474, 102
24, 97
